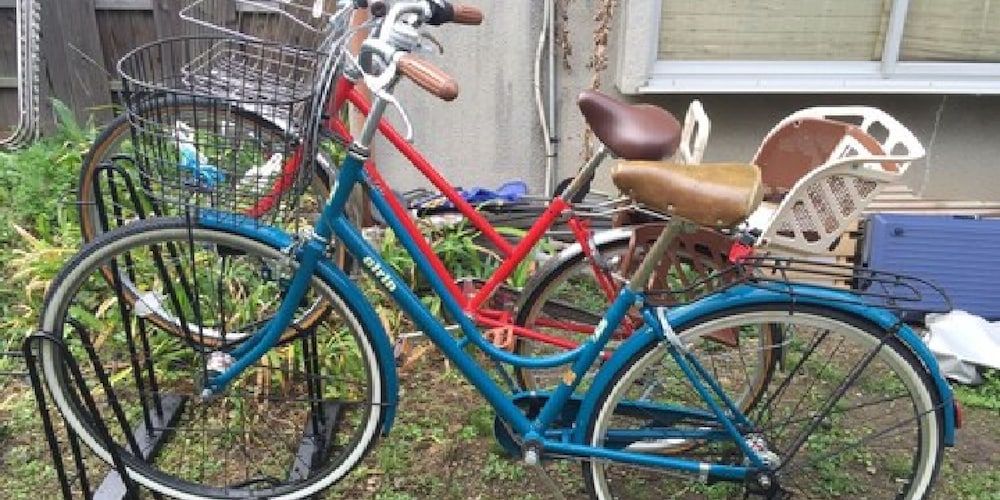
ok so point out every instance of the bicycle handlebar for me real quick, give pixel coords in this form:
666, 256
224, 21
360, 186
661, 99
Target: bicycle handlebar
467, 15
428, 77
443, 12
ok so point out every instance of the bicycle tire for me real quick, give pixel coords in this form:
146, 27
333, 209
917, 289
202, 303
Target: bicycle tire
268, 414
829, 480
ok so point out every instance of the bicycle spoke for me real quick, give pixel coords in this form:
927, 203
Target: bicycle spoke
868, 439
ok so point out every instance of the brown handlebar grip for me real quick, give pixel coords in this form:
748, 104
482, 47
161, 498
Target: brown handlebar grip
467, 14
429, 77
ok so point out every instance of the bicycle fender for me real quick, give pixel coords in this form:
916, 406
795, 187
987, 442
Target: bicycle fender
343, 286
744, 295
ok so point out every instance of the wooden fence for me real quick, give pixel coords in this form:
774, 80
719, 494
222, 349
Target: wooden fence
81, 41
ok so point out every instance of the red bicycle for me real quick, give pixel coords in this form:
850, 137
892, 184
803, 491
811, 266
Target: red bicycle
563, 301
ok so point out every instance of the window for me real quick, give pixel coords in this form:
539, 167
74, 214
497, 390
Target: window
893, 46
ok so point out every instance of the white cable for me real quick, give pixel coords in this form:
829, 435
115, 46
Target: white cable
546, 19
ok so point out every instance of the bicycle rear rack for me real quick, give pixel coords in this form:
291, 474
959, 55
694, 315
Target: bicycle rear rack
802, 278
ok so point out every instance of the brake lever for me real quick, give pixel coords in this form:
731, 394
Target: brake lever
375, 83
434, 41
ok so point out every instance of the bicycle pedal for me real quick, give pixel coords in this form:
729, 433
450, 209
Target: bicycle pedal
502, 337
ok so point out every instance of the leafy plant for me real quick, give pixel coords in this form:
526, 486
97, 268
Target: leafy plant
985, 395
38, 228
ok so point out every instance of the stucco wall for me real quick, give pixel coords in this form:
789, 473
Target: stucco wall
491, 132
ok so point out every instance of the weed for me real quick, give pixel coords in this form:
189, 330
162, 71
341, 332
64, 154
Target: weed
985, 395
979, 484
38, 228
391, 495
500, 468
480, 422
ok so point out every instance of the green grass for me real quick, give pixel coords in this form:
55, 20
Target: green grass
502, 468
979, 485
985, 395
38, 233
38, 226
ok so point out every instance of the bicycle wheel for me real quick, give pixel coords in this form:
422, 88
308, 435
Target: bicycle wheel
110, 195
323, 393
569, 303
881, 438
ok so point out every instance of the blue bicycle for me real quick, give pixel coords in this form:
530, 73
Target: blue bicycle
850, 402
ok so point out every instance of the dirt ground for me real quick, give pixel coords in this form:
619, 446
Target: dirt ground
444, 441
442, 447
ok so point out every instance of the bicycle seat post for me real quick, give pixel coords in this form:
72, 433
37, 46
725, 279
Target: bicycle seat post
585, 175
640, 280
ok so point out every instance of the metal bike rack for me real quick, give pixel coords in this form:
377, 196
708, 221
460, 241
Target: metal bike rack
72, 471
76, 466
26, 130
80, 482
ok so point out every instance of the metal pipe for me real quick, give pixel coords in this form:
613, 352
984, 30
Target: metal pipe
27, 21
553, 151
539, 104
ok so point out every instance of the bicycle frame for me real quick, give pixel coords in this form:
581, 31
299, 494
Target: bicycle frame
345, 92
538, 432
544, 433
548, 431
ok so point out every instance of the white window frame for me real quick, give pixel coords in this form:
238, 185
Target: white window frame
640, 71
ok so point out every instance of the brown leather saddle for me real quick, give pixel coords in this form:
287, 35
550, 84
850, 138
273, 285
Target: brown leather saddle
713, 195
630, 131
642, 135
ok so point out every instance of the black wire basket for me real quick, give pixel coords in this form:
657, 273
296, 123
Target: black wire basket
289, 22
187, 100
